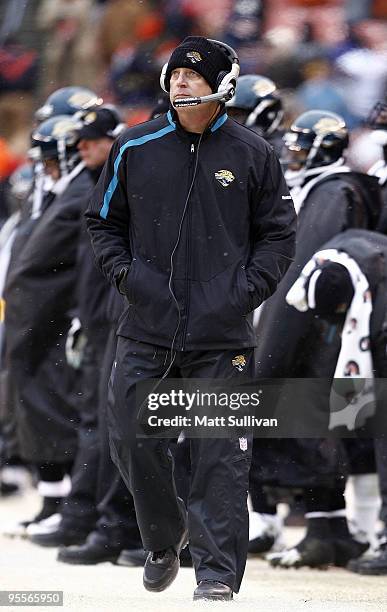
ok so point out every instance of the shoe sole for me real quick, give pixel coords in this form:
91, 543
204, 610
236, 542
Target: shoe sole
211, 598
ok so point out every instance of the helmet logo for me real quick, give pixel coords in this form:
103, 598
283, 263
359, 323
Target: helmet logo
80, 99
327, 125
90, 118
263, 88
224, 177
194, 56
62, 128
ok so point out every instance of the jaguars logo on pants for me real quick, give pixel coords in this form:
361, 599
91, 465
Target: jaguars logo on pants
239, 362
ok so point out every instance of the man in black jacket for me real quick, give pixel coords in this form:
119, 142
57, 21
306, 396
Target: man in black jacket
330, 198
94, 477
193, 223
39, 293
346, 284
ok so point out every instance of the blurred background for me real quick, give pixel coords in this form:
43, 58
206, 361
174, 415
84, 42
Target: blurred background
329, 54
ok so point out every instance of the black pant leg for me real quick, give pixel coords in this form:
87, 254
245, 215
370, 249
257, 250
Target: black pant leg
146, 464
217, 509
46, 407
80, 507
117, 522
106, 469
217, 503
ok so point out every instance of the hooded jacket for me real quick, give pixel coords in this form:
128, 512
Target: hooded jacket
204, 226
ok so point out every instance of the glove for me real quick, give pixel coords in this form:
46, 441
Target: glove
75, 344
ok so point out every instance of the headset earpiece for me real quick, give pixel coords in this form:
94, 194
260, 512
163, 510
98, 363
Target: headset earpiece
220, 78
162, 78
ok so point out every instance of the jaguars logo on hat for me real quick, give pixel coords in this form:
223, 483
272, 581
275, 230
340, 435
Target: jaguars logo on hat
239, 362
194, 56
224, 177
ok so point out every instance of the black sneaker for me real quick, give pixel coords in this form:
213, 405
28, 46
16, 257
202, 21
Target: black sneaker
265, 533
96, 549
347, 549
50, 507
211, 590
354, 564
310, 552
261, 545
376, 566
46, 520
62, 536
161, 567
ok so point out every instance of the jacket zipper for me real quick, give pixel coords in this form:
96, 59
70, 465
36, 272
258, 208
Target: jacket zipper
188, 254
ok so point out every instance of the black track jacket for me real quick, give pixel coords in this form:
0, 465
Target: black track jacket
206, 232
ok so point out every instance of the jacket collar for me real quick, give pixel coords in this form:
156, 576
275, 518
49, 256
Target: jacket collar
217, 122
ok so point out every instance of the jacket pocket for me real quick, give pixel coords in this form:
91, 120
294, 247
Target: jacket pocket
130, 282
241, 292
148, 293
218, 308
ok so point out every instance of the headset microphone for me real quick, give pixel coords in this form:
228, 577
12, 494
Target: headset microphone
216, 97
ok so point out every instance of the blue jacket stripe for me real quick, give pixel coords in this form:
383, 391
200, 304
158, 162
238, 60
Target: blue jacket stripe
219, 122
131, 143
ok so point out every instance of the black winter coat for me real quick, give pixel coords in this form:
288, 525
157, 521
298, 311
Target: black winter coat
39, 294
222, 209
40, 287
295, 344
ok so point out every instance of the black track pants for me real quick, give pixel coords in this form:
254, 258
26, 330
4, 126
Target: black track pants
217, 502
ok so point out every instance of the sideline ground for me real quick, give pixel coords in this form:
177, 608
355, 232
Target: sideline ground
109, 588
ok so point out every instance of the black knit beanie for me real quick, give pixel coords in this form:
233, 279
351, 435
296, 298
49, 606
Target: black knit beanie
333, 288
201, 55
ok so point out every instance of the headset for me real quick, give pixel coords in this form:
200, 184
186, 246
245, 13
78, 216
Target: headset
226, 80
172, 350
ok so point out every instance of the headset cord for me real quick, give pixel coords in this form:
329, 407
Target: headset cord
173, 351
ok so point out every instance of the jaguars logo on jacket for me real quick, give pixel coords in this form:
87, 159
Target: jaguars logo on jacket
224, 177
